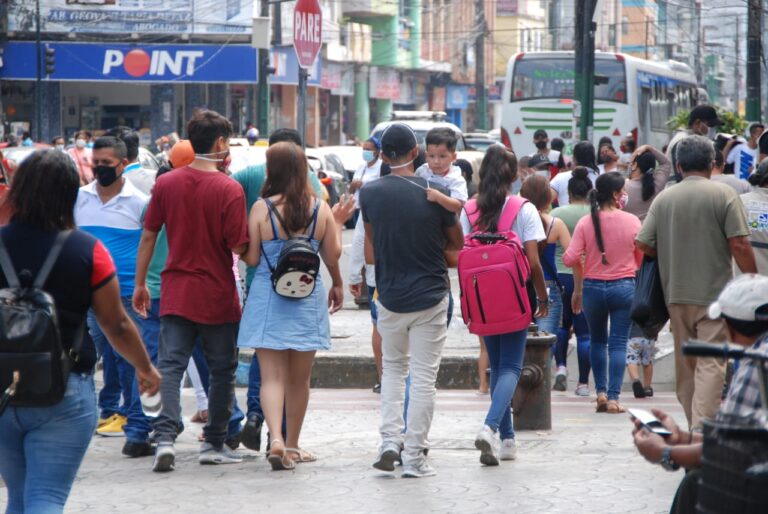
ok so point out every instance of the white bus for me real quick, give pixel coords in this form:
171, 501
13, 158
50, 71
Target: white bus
632, 96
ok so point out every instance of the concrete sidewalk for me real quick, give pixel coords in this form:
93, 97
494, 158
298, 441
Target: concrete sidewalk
585, 464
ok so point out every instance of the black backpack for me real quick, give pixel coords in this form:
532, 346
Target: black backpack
295, 274
34, 367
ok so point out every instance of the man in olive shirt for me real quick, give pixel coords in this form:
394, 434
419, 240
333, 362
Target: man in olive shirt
694, 229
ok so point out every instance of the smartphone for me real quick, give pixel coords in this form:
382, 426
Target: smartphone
649, 421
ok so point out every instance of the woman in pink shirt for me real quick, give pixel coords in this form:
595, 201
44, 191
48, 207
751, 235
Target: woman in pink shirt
604, 259
81, 154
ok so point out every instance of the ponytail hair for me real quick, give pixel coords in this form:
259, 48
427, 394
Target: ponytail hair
579, 184
605, 187
646, 163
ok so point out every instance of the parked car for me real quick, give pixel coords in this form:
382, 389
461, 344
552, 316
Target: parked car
480, 144
351, 157
330, 171
244, 154
422, 122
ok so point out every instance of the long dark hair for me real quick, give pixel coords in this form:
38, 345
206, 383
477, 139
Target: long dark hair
44, 191
646, 162
287, 177
497, 172
584, 155
580, 184
605, 187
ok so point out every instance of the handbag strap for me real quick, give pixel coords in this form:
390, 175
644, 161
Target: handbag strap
7, 265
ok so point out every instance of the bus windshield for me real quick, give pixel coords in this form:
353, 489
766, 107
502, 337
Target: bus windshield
545, 77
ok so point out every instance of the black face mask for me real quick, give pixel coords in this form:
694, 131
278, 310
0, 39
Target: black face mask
105, 175
541, 145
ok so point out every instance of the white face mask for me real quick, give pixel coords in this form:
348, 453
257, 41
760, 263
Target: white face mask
59, 148
402, 165
80, 143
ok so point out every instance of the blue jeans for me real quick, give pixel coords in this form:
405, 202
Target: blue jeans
138, 425
41, 448
580, 328
604, 299
254, 389
505, 354
198, 355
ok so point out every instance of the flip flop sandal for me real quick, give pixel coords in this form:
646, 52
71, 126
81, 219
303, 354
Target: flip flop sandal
277, 458
303, 455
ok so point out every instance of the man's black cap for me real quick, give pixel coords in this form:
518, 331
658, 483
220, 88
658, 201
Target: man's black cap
539, 161
706, 113
540, 133
397, 140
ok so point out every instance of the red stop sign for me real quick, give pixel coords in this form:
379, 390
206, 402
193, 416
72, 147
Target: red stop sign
307, 31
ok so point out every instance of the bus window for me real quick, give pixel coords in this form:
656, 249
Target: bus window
556, 78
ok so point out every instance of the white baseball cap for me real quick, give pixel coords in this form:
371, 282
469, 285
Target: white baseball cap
744, 298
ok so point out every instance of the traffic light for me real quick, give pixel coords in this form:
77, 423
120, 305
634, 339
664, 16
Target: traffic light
50, 60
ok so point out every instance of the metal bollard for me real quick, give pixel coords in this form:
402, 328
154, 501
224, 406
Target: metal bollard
531, 405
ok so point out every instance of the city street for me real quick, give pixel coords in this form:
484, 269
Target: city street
585, 464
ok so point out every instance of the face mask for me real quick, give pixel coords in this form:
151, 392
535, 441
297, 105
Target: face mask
368, 155
80, 143
105, 175
89, 144
225, 161
541, 145
59, 148
166, 148
402, 165
623, 199
712, 133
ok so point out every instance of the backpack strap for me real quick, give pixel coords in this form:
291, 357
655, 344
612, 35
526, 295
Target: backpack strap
7, 266
272, 217
510, 212
53, 255
473, 213
313, 222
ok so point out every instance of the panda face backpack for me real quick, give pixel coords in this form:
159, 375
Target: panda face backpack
294, 275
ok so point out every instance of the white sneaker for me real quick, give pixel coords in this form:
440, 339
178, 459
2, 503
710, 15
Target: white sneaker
419, 469
489, 444
165, 458
508, 449
561, 379
209, 454
389, 453
582, 390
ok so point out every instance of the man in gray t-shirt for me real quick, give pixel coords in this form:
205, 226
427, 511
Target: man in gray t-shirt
406, 237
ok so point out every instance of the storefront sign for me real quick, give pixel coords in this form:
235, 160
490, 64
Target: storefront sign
507, 7
136, 63
339, 78
457, 97
283, 59
133, 16
384, 84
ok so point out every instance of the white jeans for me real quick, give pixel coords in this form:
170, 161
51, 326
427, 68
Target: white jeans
422, 335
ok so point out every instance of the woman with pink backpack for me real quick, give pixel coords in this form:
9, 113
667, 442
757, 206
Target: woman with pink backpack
501, 252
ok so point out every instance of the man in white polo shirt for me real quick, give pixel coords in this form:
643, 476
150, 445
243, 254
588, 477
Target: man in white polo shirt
110, 209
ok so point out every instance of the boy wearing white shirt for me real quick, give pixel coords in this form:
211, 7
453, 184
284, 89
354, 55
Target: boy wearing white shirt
439, 169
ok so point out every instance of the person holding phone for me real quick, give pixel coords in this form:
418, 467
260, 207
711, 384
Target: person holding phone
743, 305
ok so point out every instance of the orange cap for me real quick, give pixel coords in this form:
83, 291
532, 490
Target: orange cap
181, 154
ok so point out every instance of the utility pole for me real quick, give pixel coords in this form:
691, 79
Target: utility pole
263, 85
737, 89
481, 99
647, 26
699, 71
38, 79
754, 52
585, 64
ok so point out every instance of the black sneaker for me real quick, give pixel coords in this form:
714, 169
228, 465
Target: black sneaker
377, 389
637, 388
251, 433
134, 450
649, 392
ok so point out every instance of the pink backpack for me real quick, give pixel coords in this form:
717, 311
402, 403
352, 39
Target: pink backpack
493, 270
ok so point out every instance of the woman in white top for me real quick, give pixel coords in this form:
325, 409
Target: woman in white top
369, 170
496, 439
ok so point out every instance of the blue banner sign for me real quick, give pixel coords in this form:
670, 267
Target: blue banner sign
135, 63
283, 59
456, 97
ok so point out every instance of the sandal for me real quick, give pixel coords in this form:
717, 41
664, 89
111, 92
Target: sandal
614, 407
278, 456
200, 416
602, 402
303, 455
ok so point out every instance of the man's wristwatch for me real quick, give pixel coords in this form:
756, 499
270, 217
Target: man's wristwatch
542, 302
666, 460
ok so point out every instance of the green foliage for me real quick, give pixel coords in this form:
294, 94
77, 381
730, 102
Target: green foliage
732, 123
